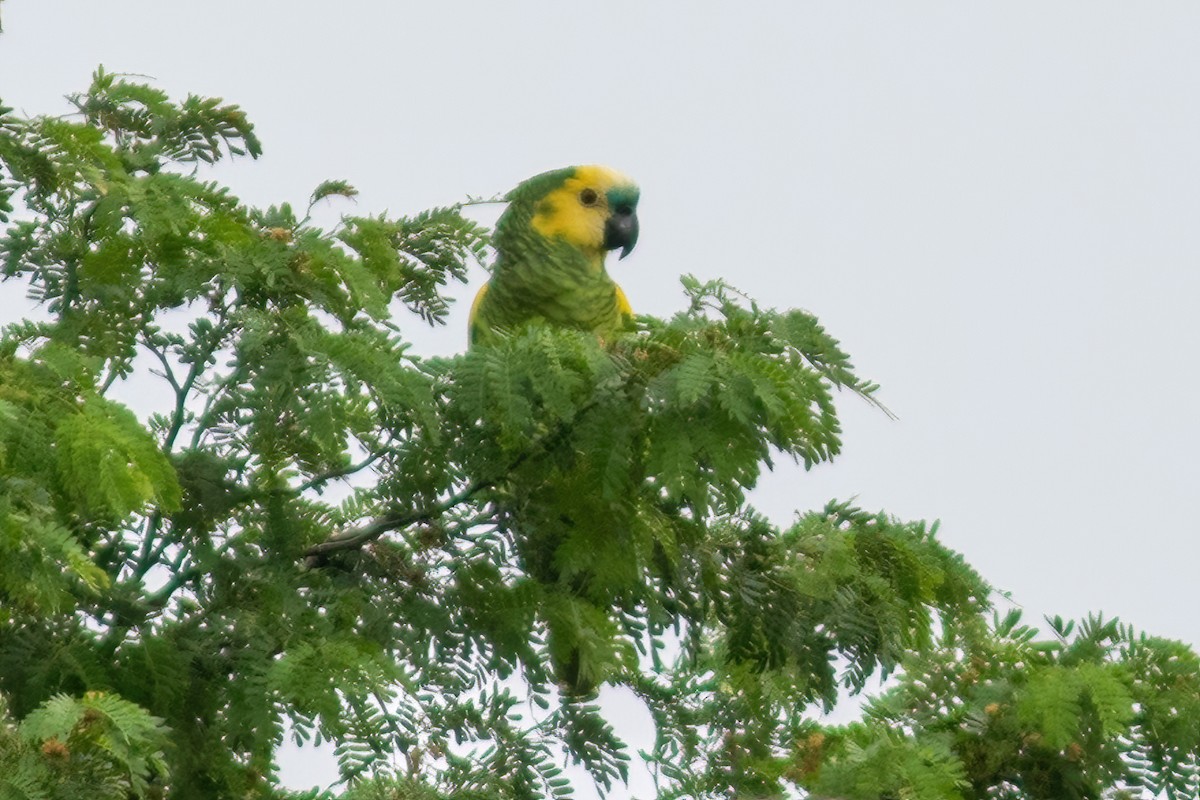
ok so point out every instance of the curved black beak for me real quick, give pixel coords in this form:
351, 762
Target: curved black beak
621, 230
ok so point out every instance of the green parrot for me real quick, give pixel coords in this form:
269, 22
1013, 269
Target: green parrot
550, 246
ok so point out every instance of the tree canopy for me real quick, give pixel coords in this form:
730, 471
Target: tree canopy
435, 563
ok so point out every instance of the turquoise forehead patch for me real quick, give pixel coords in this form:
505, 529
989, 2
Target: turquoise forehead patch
622, 196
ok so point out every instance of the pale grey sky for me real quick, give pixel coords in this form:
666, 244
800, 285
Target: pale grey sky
995, 206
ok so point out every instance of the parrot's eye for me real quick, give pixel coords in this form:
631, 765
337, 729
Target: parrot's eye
589, 197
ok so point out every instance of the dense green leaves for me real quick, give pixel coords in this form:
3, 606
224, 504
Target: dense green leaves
436, 564
1078, 715
95, 746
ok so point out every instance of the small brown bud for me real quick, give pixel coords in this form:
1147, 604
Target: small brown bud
53, 748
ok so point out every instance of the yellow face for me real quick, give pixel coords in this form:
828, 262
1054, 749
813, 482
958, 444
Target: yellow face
578, 210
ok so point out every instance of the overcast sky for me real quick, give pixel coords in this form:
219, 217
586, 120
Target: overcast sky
995, 206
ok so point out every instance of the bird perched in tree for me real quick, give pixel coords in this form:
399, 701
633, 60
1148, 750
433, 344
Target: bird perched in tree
550, 246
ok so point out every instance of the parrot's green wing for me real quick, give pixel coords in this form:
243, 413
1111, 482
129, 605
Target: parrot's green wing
477, 327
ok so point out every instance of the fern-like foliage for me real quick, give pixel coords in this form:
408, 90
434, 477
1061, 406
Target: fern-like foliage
95, 746
434, 565
1077, 715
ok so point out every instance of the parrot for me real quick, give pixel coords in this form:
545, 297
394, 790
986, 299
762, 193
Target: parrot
550, 246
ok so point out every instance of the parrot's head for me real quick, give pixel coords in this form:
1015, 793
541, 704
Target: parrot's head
591, 208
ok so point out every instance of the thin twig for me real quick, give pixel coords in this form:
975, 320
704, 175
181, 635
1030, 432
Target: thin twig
333, 474
147, 557
159, 599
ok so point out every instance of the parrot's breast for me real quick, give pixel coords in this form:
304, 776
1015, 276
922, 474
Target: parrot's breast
569, 295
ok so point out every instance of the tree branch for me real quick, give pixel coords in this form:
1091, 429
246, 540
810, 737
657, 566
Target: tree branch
354, 538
